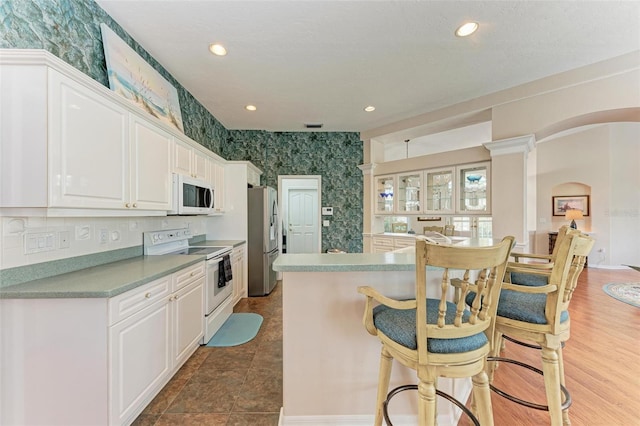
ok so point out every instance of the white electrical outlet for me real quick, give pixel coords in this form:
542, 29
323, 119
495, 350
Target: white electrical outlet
103, 236
64, 239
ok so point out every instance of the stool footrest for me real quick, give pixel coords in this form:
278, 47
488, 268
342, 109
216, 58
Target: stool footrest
521, 343
567, 397
394, 392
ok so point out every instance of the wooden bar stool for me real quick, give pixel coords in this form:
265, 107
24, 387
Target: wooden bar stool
434, 336
536, 310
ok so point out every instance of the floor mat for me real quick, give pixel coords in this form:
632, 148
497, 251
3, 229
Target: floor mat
239, 328
624, 292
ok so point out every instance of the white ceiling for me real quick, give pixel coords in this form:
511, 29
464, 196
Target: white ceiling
324, 61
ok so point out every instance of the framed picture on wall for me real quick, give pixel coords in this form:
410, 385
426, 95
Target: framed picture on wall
133, 78
562, 203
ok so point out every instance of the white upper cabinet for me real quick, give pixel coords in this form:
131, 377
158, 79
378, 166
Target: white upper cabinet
89, 147
182, 158
189, 161
474, 191
101, 156
218, 176
409, 194
440, 188
200, 161
150, 159
81, 149
384, 192
462, 189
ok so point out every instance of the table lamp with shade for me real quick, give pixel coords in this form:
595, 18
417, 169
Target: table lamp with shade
573, 215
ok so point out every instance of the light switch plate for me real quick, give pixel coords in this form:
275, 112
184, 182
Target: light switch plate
325, 223
36, 242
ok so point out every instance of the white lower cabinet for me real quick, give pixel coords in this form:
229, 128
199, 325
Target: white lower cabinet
382, 244
238, 272
148, 346
139, 359
97, 361
386, 243
188, 318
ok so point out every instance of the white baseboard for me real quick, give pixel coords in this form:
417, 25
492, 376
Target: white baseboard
450, 419
607, 266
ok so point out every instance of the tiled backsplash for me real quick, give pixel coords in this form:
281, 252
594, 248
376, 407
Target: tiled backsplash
84, 235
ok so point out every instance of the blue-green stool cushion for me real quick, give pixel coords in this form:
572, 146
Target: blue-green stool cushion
522, 306
400, 326
532, 280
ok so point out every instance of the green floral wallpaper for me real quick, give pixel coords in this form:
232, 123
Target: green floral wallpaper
70, 29
334, 156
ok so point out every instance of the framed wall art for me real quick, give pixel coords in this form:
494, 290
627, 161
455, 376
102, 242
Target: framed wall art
562, 203
133, 78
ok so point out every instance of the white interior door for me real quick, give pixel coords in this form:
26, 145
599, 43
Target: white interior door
302, 230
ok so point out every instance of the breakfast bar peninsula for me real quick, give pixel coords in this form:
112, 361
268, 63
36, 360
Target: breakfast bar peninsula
330, 362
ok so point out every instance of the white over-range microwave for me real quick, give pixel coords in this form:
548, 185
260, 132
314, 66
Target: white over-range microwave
191, 196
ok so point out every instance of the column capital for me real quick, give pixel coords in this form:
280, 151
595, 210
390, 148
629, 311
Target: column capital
367, 169
523, 144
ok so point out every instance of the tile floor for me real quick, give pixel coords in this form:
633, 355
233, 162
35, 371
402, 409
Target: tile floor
233, 386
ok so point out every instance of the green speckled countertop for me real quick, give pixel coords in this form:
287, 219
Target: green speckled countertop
106, 280
208, 243
345, 262
397, 260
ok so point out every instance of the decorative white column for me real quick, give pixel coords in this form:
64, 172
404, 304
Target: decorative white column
367, 205
509, 192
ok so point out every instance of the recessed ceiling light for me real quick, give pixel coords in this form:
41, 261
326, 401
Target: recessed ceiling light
467, 29
250, 108
217, 49
370, 108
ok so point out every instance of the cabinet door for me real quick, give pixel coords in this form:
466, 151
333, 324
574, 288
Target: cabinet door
440, 189
382, 244
409, 192
237, 270
200, 163
219, 171
253, 177
139, 359
384, 189
188, 314
89, 148
182, 158
150, 166
473, 188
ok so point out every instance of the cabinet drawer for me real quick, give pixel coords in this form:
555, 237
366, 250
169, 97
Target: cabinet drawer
126, 304
187, 275
238, 253
404, 242
383, 241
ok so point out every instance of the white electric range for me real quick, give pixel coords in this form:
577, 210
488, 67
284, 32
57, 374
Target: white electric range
218, 282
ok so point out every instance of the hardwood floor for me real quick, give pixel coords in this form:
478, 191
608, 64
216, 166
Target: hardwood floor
601, 359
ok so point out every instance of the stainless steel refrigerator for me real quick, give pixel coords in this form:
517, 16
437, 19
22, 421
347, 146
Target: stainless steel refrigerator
262, 239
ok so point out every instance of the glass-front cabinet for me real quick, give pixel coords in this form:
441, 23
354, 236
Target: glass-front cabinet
473, 188
457, 189
439, 187
384, 190
409, 192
